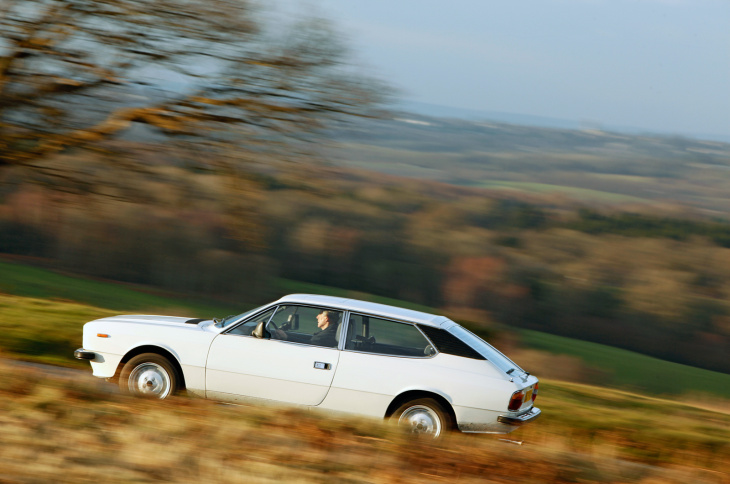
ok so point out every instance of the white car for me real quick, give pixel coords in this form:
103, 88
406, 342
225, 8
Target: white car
422, 370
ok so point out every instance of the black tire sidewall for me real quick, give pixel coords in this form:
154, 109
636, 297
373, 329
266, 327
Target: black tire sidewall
148, 358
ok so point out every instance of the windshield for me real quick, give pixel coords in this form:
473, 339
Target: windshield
485, 349
228, 320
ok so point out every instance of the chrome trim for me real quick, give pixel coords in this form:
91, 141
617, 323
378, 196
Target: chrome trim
344, 327
526, 417
392, 356
82, 354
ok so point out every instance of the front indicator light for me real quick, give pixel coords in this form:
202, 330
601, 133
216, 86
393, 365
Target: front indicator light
516, 401
534, 392
102, 335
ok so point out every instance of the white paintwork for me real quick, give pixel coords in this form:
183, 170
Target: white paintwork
270, 369
186, 342
243, 368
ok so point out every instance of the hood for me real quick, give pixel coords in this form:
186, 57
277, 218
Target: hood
151, 319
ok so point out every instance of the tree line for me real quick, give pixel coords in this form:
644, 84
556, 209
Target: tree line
649, 284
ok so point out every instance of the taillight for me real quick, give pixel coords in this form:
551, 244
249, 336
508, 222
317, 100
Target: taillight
534, 392
516, 401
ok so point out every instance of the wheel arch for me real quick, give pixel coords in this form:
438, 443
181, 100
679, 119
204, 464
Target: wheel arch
410, 395
152, 349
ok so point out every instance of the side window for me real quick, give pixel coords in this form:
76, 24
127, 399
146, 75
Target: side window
305, 324
246, 328
375, 335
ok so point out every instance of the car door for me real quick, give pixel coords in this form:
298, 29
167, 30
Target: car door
380, 359
289, 369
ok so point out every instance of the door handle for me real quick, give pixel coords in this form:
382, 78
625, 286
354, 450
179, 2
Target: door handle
318, 365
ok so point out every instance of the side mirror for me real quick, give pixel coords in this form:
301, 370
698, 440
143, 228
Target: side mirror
260, 332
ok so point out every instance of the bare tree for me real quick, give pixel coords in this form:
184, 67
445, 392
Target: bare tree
77, 72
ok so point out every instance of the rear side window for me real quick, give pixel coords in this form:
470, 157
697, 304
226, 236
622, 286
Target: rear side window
381, 336
448, 343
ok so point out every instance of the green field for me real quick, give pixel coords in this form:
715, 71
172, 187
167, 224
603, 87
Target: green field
58, 305
22, 280
583, 194
634, 371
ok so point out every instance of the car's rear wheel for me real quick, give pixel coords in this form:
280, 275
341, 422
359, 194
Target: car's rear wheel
149, 375
424, 417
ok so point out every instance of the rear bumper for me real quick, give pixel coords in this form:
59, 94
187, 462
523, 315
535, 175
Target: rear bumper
491, 422
82, 354
526, 417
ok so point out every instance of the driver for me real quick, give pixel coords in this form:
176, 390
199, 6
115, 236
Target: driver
325, 336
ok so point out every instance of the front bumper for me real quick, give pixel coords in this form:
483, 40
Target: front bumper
82, 354
526, 417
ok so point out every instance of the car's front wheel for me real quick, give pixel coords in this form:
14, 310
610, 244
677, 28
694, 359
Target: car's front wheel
424, 417
149, 375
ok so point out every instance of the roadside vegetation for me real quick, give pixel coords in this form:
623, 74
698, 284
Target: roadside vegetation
66, 429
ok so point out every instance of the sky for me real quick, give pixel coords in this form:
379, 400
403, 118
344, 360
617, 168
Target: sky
655, 65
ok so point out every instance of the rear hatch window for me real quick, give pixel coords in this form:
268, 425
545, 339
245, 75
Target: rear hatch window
485, 349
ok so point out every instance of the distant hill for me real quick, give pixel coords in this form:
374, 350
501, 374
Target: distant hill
435, 110
587, 165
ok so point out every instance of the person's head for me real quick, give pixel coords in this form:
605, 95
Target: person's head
326, 318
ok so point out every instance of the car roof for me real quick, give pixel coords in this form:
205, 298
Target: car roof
373, 309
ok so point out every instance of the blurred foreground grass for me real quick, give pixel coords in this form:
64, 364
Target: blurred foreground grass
71, 429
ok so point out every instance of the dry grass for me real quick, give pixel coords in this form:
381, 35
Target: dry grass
53, 429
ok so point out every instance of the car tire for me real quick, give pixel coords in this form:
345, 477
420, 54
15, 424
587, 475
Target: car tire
149, 375
424, 417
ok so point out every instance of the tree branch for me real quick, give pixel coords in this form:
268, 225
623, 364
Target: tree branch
31, 41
